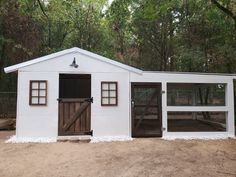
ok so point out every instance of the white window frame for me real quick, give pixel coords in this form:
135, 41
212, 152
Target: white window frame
228, 109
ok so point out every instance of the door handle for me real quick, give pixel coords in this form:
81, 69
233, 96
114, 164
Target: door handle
132, 103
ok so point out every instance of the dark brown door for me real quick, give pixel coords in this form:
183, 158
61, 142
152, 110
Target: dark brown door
146, 110
74, 116
74, 104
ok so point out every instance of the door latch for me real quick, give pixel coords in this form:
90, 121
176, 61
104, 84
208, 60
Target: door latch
132, 103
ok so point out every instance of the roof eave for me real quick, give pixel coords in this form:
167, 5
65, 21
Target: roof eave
10, 69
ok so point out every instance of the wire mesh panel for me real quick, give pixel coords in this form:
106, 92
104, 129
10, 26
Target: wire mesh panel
197, 121
146, 110
195, 94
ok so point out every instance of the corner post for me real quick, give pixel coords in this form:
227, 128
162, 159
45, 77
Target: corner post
230, 104
164, 108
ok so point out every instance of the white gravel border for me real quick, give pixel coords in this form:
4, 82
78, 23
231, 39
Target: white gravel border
110, 139
14, 139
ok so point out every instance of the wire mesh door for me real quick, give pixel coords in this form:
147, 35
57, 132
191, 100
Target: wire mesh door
146, 110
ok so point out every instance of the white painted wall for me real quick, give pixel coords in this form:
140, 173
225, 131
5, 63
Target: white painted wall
110, 120
42, 121
37, 121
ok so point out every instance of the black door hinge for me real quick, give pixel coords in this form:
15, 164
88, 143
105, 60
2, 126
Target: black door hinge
89, 100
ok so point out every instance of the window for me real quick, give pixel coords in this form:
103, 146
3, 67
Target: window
38, 92
109, 94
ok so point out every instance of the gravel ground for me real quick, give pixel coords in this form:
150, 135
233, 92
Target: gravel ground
141, 157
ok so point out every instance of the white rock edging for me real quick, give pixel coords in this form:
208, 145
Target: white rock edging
14, 139
110, 139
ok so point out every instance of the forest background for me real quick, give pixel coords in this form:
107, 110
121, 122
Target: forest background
162, 35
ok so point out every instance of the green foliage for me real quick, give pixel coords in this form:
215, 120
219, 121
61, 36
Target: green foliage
175, 35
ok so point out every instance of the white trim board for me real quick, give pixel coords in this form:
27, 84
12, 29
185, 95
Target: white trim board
197, 135
197, 108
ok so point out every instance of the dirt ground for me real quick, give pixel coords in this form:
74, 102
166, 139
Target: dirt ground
141, 157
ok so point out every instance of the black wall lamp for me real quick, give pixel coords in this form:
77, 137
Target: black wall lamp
73, 64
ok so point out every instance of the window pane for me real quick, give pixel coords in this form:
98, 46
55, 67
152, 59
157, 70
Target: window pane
104, 86
112, 100
112, 93
42, 93
104, 100
35, 93
105, 94
35, 85
189, 94
196, 121
42, 100
34, 100
42, 85
112, 86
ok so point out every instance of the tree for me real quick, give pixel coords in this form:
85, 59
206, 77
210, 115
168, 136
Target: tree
18, 33
229, 8
118, 17
165, 35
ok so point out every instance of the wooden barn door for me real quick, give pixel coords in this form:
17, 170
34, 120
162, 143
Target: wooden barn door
74, 105
146, 110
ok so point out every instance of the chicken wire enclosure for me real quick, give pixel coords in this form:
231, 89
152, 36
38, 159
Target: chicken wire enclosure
196, 121
195, 94
143, 96
146, 110
8, 104
197, 107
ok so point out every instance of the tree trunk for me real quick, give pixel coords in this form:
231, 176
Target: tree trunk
171, 48
203, 102
227, 12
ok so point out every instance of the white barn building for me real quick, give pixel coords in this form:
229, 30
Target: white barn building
75, 92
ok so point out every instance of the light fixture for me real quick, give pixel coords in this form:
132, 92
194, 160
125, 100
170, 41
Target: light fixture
73, 64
